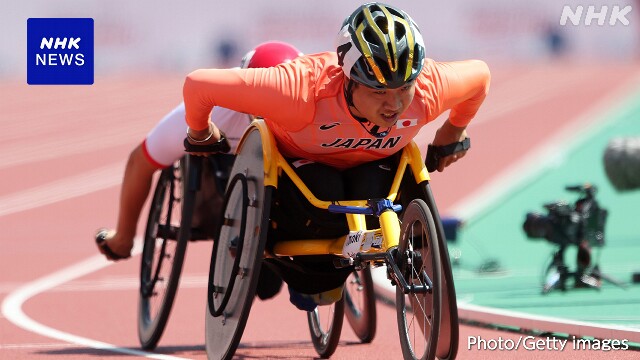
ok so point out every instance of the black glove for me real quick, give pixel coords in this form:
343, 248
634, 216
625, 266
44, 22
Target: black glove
435, 153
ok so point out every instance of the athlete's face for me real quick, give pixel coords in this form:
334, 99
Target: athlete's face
382, 107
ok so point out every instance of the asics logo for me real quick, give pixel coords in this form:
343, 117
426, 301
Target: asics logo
329, 126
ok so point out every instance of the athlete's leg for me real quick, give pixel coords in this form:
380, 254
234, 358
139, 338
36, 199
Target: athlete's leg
162, 147
311, 280
136, 183
366, 181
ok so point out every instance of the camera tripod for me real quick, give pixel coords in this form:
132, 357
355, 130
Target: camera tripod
585, 275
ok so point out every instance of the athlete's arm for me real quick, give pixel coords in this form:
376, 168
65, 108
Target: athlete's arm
464, 88
465, 85
267, 92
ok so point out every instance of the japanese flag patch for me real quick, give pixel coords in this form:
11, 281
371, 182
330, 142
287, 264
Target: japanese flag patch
405, 123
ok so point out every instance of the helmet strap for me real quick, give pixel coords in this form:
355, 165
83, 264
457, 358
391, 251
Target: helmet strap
366, 124
348, 92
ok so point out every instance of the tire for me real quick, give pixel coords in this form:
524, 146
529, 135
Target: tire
419, 254
449, 324
449, 335
165, 243
224, 332
360, 304
325, 337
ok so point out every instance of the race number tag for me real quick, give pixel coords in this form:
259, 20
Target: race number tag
352, 243
372, 239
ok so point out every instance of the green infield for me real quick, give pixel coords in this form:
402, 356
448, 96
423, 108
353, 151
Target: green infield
496, 265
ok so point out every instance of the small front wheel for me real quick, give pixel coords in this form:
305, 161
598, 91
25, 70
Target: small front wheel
360, 304
419, 262
325, 325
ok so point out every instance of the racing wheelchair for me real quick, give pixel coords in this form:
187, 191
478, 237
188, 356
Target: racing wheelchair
184, 200
413, 249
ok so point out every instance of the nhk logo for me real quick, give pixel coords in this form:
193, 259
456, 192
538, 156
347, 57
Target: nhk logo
575, 15
60, 59
60, 51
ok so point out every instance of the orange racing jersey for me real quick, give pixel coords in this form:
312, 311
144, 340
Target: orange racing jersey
303, 105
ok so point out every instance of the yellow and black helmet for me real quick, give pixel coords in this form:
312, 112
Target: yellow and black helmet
380, 46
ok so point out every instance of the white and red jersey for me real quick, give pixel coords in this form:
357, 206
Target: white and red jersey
164, 144
303, 104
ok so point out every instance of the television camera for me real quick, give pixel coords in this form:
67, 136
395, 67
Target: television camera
581, 224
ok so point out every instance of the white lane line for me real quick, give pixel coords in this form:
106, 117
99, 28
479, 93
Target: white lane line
528, 321
512, 97
36, 346
187, 281
67, 188
191, 281
57, 148
488, 315
12, 306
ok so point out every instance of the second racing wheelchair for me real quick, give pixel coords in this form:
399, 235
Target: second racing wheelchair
186, 198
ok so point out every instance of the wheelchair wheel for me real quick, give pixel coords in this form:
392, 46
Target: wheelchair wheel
419, 261
163, 253
449, 328
360, 304
225, 258
236, 269
325, 325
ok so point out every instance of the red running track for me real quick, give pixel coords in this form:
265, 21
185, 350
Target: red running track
63, 151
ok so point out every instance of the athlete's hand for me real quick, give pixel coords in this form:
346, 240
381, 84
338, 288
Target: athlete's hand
207, 137
449, 134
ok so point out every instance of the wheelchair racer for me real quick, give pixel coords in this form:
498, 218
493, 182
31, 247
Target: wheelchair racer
340, 118
164, 145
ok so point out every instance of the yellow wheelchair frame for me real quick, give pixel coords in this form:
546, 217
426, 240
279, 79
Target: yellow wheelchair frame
386, 252
390, 230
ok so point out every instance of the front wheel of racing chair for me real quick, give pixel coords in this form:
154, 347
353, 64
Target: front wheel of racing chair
358, 304
165, 242
325, 326
418, 258
237, 257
